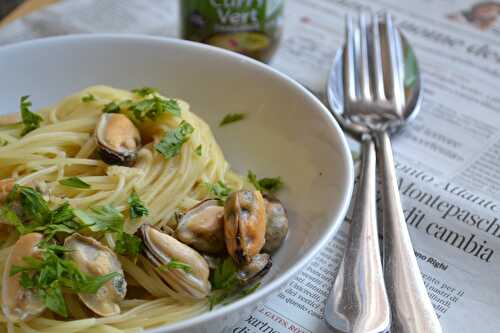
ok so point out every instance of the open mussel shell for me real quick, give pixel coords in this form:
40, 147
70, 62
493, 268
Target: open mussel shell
94, 259
258, 267
276, 226
202, 227
18, 303
244, 225
161, 249
118, 139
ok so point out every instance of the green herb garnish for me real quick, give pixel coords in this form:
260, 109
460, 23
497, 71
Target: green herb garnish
232, 118
174, 264
219, 190
225, 284
136, 206
30, 119
111, 107
198, 150
34, 205
101, 218
3, 142
88, 98
49, 275
144, 91
128, 245
37, 214
170, 145
74, 182
154, 107
270, 185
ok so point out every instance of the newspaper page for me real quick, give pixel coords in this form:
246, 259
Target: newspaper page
447, 160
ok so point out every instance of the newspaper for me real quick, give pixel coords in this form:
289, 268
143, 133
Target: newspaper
447, 160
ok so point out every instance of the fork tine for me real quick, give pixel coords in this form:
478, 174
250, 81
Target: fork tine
395, 67
349, 75
376, 56
363, 67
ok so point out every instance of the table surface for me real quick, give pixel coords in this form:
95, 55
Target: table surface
27, 7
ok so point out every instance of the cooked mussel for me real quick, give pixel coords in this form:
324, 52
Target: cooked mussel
161, 249
277, 224
258, 266
202, 227
18, 303
244, 225
94, 259
118, 139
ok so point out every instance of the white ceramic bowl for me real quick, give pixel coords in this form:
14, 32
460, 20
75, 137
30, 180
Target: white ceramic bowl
288, 131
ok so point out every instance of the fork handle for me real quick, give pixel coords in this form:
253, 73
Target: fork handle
358, 301
411, 308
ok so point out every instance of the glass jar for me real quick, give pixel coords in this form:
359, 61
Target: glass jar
249, 27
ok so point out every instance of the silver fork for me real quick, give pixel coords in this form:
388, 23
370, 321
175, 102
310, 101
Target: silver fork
374, 104
358, 301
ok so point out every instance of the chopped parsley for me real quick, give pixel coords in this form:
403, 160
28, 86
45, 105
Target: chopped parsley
144, 91
30, 119
226, 285
219, 190
49, 275
136, 206
128, 245
111, 107
198, 150
270, 185
74, 182
154, 107
232, 118
35, 210
170, 145
174, 264
88, 98
101, 218
3, 142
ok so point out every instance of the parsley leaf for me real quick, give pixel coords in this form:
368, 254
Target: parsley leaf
232, 118
144, 91
136, 206
37, 214
270, 185
154, 107
224, 275
219, 190
111, 107
101, 218
128, 245
174, 264
34, 205
226, 285
170, 145
198, 150
9, 216
3, 142
74, 182
88, 98
30, 119
49, 275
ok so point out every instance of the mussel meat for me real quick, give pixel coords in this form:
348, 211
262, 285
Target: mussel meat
202, 227
95, 259
118, 139
161, 249
244, 225
18, 303
277, 224
260, 265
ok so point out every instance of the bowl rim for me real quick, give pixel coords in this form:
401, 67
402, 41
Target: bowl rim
321, 110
